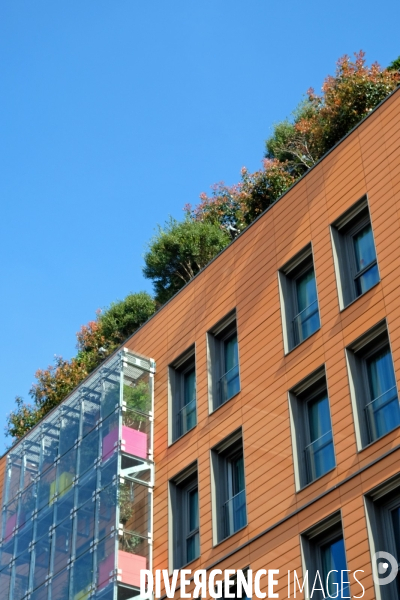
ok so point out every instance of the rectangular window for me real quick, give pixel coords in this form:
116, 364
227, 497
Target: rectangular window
182, 395
354, 253
184, 524
373, 385
223, 357
299, 302
383, 516
312, 437
324, 555
229, 496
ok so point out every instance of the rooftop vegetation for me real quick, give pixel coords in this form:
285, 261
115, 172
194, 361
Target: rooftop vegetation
180, 249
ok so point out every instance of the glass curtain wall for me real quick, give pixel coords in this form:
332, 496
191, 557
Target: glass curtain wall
77, 492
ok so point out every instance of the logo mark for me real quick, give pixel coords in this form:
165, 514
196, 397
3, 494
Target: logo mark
381, 561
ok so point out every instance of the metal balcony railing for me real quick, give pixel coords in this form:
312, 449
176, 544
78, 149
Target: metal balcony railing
320, 456
228, 385
383, 414
186, 418
305, 323
234, 513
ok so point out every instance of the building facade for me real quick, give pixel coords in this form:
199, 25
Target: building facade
276, 413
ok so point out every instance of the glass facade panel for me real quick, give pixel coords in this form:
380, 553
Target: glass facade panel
59, 587
20, 578
66, 502
88, 451
62, 545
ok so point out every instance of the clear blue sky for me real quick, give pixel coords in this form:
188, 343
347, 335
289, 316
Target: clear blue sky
114, 114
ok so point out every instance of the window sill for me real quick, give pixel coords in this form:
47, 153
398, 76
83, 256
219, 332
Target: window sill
224, 403
182, 436
230, 536
186, 564
302, 342
377, 439
314, 480
358, 297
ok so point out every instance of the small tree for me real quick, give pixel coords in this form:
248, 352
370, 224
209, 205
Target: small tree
178, 252
235, 207
95, 341
323, 120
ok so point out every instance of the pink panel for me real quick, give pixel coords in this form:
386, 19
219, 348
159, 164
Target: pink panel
109, 443
134, 442
11, 523
129, 567
106, 567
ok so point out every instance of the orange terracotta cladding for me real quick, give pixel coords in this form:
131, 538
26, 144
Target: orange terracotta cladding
245, 277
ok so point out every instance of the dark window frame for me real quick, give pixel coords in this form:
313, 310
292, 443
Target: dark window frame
217, 339
177, 372
222, 457
379, 503
312, 542
288, 277
343, 231
299, 398
180, 487
358, 353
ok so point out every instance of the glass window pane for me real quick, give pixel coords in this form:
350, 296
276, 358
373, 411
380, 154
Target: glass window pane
189, 386
319, 416
231, 353
395, 515
364, 248
306, 290
380, 372
192, 547
237, 466
334, 559
307, 320
383, 412
193, 502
